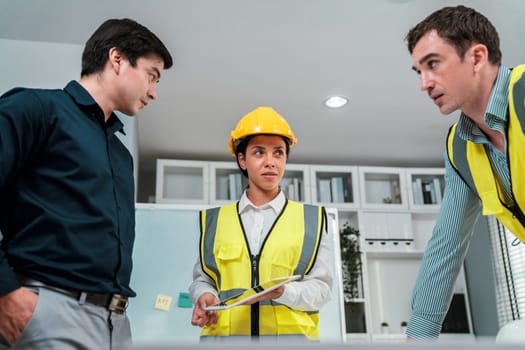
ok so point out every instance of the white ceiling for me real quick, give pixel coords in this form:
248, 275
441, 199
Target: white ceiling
234, 55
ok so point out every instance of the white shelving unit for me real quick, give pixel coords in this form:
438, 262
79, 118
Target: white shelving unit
296, 183
386, 230
182, 181
425, 192
383, 188
227, 183
390, 277
218, 183
334, 185
387, 205
425, 188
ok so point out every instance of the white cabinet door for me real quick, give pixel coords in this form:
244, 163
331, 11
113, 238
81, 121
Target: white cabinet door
383, 188
182, 181
335, 186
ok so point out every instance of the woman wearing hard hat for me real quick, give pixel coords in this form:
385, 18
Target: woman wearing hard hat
261, 237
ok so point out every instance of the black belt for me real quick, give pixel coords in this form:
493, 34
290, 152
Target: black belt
113, 302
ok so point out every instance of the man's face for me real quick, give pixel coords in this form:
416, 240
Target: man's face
447, 78
138, 84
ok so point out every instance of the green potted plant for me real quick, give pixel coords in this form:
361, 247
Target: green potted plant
351, 261
351, 271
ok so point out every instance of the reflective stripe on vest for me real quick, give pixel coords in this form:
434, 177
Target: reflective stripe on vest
472, 164
290, 248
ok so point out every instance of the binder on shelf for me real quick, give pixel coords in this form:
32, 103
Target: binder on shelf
338, 195
235, 186
232, 187
417, 189
222, 188
429, 187
427, 192
240, 187
437, 189
348, 194
293, 189
325, 195
290, 191
296, 189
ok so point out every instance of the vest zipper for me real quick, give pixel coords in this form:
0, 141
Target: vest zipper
254, 310
255, 279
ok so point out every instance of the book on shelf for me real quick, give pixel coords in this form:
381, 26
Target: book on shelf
417, 190
325, 195
338, 195
240, 187
437, 189
293, 189
231, 186
222, 188
427, 192
348, 194
427, 197
290, 191
297, 183
235, 186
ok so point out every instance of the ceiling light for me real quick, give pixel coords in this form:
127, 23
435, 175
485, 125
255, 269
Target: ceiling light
335, 101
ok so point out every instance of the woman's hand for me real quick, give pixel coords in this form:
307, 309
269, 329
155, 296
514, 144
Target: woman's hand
200, 316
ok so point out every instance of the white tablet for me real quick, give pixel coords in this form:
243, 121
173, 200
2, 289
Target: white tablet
254, 292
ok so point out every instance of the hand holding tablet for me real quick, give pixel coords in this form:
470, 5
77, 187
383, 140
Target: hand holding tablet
254, 293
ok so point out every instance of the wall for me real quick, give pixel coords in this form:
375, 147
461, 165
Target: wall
38, 64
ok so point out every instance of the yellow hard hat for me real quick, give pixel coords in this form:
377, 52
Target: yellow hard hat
262, 120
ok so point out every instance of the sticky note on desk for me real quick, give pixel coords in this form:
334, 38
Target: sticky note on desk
184, 300
163, 302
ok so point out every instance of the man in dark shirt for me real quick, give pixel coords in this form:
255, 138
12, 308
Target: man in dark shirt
67, 196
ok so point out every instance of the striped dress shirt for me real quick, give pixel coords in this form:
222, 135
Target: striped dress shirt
460, 209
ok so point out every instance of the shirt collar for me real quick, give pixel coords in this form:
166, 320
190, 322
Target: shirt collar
83, 98
495, 113
276, 204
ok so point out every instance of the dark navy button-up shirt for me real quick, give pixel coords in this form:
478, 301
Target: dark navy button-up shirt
66, 192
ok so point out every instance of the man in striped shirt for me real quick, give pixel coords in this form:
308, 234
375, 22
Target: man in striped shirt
456, 53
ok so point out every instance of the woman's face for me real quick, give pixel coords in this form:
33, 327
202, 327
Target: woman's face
265, 162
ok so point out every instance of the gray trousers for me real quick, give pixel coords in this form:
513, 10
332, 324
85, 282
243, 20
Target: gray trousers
61, 322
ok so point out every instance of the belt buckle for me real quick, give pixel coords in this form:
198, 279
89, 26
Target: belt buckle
118, 303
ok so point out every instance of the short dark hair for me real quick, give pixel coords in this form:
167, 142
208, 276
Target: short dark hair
460, 26
131, 38
242, 144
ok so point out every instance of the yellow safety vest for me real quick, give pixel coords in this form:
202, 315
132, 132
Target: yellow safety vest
472, 163
290, 248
